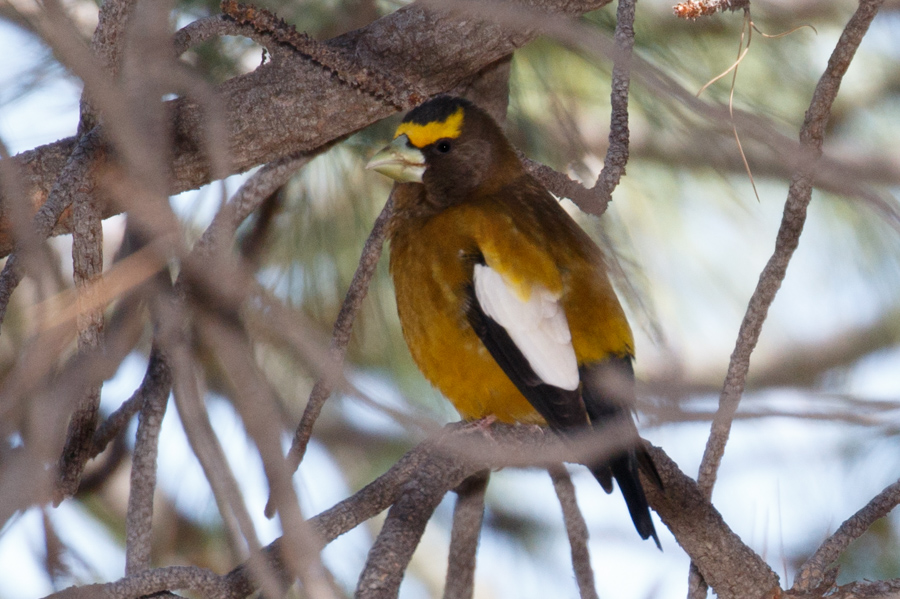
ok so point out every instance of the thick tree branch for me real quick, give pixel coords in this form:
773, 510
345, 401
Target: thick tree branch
287, 107
730, 567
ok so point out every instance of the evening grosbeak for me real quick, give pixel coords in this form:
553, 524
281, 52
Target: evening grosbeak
503, 299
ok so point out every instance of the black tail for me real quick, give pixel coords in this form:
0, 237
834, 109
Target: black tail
608, 393
625, 470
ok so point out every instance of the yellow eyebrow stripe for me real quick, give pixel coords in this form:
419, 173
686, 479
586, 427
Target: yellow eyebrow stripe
423, 135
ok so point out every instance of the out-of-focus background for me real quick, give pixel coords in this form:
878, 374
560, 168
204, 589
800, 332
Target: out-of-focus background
817, 433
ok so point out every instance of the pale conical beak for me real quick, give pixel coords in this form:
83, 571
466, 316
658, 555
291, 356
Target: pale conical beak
399, 161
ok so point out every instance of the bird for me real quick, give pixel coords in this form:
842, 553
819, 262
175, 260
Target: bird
503, 299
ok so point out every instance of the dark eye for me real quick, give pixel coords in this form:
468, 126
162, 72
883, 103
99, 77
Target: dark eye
443, 147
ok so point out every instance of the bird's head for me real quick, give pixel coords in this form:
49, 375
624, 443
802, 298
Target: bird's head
452, 147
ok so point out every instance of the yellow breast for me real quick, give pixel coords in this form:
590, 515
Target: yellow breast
431, 275
432, 260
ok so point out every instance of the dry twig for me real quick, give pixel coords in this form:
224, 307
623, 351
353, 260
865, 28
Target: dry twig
814, 572
139, 520
617, 153
811, 138
812, 135
693, 9
576, 529
468, 516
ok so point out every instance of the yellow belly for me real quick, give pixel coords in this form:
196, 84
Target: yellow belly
430, 283
462, 369
432, 260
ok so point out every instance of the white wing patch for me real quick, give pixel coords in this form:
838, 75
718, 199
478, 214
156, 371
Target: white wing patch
538, 326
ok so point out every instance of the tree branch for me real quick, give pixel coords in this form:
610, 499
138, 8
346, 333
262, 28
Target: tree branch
139, 519
149, 582
87, 259
405, 523
73, 173
219, 235
617, 153
157, 380
108, 43
288, 107
372, 499
812, 136
733, 569
813, 573
468, 516
576, 529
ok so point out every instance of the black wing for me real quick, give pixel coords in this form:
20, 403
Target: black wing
604, 400
562, 409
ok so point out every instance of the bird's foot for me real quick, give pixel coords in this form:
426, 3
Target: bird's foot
482, 425
536, 428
